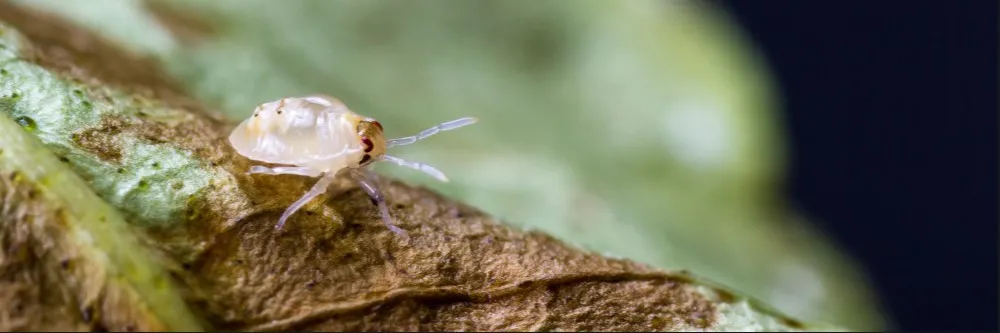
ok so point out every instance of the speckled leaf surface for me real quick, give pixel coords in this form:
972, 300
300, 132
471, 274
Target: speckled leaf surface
130, 132
643, 129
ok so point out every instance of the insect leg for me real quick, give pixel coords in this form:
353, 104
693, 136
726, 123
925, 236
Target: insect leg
367, 183
317, 189
416, 166
301, 171
445, 126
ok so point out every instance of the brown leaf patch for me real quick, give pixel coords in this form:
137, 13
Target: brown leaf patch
47, 283
104, 140
335, 266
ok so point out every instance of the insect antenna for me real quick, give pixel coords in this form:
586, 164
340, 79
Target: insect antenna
445, 126
416, 166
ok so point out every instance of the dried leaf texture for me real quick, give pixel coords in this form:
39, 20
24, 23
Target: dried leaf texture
31, 279
166, 166
460, 271
49, 280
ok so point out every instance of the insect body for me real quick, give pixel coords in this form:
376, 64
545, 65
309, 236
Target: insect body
318, 136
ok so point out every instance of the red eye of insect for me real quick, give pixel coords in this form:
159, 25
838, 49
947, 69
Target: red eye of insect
378, 124
368, 144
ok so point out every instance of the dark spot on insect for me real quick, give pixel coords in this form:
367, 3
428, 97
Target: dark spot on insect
525, 284
279, 111
78, 92
87, 314
3, 72
374, 202
18, 308
238, 261
368, 144
212, 164
309, 212
398, 206
365, 159
120, 170
156, 165
256, 115
27, 123
186, 266
311, 284
15, 96
64, 159
64, 264
143, 185
32, 193
86, 104
141, 114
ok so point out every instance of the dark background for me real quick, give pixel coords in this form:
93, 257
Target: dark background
891, 113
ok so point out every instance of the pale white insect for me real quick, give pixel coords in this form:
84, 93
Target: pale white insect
318, 136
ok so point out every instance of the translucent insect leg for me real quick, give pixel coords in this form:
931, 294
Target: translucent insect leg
416, 166
445, 126
300, 171
367, 182
317, 189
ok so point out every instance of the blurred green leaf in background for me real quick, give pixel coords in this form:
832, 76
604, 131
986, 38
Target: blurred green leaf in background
640, 129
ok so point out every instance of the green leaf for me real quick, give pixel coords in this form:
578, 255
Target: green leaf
69, 247
639, 129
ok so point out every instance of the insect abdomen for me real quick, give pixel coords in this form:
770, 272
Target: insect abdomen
299, 133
